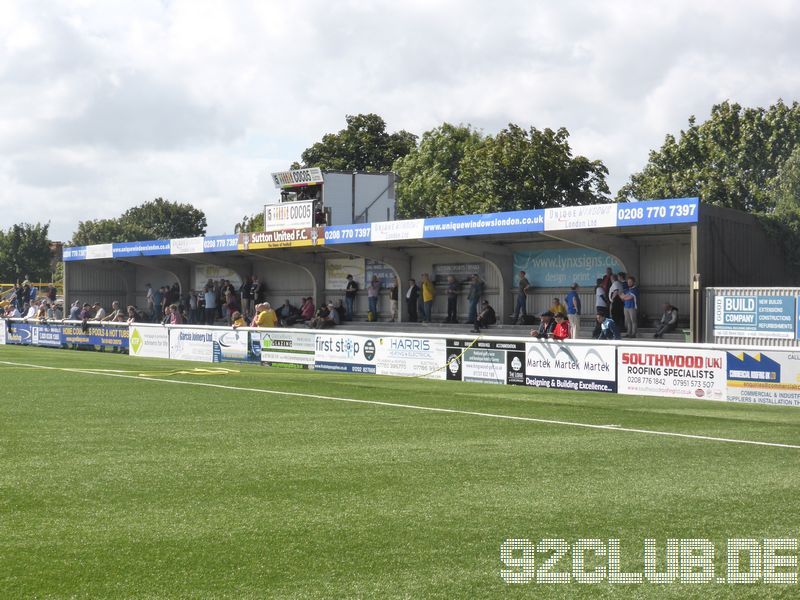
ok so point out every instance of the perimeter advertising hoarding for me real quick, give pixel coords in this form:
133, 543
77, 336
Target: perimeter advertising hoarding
232, 345
767, 377
2, 331
578, 367
151, 341
98, 336
192, 344
284, 348
485, 361
674, 372
755, 316
18, 334
411, 357
345, 352
47, 335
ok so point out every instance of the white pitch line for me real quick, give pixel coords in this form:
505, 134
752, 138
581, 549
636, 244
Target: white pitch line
690, 436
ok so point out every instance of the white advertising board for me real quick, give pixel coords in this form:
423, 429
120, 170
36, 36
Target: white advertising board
186, 246
345, 352
287, 348
2, 331
231, 345
99, 251
411, 229
148, 341
580, 217
192, 344
674, 372
563, 365
764, 377
288, 215
411, 357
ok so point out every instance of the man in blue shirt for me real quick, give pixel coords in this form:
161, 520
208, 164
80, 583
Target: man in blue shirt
574, 310
631, 299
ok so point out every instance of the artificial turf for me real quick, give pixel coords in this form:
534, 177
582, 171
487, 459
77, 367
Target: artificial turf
120, 487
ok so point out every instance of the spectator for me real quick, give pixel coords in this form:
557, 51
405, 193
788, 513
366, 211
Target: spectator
394, 292
338, 307
574, 310
476, 290
117, 314
561, 330
86, 312
99, 312
608, 279
246, 292
75, 311
411, 300
546, 326
259, 291
600, 298
428, 294
452, 300
155, 315
327, 317
288, 314
210, 299
307, 310
373, 290
631, 298
486, 317
605, 329
615, 293
265, 316
237, 320
133, 317
557, 307
350, 291
668, 322
521, 307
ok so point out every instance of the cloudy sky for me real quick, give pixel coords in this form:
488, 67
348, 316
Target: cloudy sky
105, 105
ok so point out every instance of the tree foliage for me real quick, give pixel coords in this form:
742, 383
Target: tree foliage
455, 170
364, 145
520, 169
783, 221
25, 251
429, 175
249, 224
158, 219
729, 160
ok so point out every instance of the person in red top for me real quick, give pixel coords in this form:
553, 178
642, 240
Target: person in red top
561, 330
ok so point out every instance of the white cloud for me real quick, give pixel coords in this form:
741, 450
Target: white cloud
108, 105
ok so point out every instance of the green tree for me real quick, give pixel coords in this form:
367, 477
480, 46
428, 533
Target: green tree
429, 175
164, 220
783, 220
252, 223
520, 169
105, 231
158, 219
729, 160
25, 251
364, 145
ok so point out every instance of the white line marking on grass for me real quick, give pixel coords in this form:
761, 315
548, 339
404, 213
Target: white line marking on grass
453, 411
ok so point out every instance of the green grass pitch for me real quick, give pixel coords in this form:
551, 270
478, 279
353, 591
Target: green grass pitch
126, 487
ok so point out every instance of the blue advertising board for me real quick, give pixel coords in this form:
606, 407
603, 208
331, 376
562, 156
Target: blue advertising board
99, 336
658, 212
348, 234
129, 249
561, 267
18, 333
755, 316
43, 334
74, 253
502, 222
220, 243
